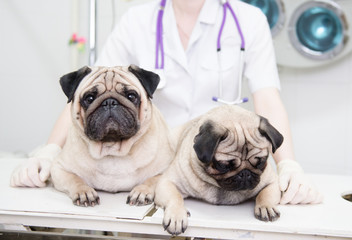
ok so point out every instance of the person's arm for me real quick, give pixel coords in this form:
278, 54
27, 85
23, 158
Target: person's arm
35, 171
295, 186
59, 133
267, 103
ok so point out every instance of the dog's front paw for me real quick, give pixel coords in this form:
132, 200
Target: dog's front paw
85, 196
267, 213
141, 195
175, 220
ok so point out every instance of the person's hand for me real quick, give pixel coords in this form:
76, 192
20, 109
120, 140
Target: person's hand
295, 186
36, 170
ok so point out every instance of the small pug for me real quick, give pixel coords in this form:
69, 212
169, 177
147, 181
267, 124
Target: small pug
117, 139
226, 165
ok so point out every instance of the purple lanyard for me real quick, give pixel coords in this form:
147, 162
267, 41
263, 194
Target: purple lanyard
159, 37
159, 32
226, 5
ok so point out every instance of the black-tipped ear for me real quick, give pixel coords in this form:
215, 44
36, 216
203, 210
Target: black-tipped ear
207, 141
149, 80
270, 133
70, 81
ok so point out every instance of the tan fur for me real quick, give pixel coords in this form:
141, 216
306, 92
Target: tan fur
85, 165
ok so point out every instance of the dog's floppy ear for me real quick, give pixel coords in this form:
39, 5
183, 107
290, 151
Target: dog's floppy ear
70, 81
207, 141
149, 80
270, 133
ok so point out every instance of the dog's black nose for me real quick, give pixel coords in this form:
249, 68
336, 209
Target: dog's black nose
110, 103
245, 175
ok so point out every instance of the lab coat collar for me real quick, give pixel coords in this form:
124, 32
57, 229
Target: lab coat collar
172, 43
207, 15
209, 11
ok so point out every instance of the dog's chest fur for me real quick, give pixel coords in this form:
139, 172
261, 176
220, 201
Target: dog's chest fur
111, 173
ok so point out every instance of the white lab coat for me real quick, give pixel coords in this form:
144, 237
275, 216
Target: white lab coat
192, 75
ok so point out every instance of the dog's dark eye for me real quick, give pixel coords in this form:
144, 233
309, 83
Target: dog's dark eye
133, 97
89, 99
222, 166
261, 162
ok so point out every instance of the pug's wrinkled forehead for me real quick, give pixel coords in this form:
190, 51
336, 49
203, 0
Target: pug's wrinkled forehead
109, 79
79, 80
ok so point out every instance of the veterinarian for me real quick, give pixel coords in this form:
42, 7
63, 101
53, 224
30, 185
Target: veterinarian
197, 53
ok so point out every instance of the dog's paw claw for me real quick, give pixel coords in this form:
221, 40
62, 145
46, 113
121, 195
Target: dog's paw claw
175, 220
267, 213
86, 196
140, 195
166, 224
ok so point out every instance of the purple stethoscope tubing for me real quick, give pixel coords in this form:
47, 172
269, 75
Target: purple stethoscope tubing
159, 37
226, 6
160, 47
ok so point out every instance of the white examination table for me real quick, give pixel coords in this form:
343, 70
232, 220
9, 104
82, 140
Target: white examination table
46, 207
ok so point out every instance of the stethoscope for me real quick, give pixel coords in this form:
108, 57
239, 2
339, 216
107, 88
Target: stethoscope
160, 53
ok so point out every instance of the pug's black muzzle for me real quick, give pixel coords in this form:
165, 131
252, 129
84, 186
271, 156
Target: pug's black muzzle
111, 122
244, 180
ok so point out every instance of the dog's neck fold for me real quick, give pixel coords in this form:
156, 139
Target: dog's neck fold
99, 150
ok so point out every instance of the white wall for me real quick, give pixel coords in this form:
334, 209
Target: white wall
35, 54
319, 102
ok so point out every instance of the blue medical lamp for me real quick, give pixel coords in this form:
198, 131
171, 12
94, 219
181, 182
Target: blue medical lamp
274, 12
317, 30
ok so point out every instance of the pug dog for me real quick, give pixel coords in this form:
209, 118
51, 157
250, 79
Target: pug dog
221, 158
117, 138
